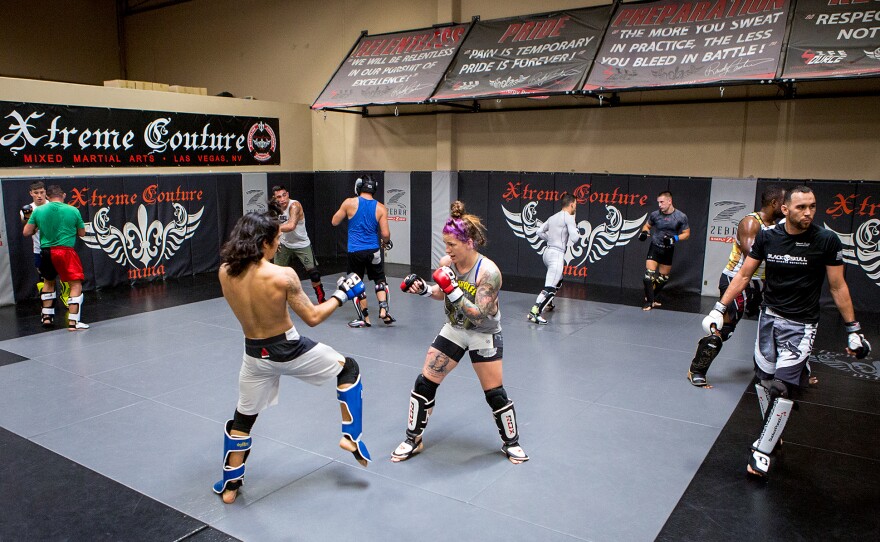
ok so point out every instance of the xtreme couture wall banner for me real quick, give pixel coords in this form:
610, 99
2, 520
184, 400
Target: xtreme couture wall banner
53, 136
137, 228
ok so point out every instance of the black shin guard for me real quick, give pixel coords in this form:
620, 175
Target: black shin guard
648, 281
707, 349
660, 283
504, 413
421, 404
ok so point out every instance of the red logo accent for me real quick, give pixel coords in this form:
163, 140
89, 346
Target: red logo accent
264, 353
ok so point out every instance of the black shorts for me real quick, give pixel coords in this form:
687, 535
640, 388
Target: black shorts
661, 255
367, 263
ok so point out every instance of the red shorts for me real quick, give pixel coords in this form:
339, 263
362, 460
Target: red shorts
63, 262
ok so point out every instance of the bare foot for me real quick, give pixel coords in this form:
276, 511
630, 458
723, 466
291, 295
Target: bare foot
657, 304
647, 308
753, 472
349, 446
229, 496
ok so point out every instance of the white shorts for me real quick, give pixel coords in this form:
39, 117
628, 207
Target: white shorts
265, 360
454, 342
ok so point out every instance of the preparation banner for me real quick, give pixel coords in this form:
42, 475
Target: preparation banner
530, 55
833, 38
403, 67
55, 136
687, 42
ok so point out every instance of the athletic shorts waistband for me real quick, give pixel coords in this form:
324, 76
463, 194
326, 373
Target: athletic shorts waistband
289, 335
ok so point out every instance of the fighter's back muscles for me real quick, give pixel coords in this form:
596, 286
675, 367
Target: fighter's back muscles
260, 295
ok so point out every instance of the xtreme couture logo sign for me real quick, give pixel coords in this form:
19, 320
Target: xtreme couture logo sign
593, 242
45, 135
141, 245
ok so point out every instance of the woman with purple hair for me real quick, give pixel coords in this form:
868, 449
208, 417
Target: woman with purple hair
468, 283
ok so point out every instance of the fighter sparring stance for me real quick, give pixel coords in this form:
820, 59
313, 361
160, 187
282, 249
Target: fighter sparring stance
368, 234
259, 292
468, 283
295, 241
748, 228
37, 191
59, 225
667, 226
798, 256
560, 232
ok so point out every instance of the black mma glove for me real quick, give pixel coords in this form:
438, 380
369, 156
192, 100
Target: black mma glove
643, 235
411, 279
387, 245
669, 240
855, 340
26, 211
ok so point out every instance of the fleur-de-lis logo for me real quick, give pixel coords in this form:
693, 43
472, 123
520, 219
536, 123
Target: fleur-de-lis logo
145, 243
592, 244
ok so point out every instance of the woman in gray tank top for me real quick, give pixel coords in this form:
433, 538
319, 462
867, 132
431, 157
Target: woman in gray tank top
468, 283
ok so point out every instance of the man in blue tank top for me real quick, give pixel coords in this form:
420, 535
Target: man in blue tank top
368, 233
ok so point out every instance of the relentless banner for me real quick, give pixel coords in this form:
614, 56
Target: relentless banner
403, 67
49, 135
531, 55
834, 38
686, 42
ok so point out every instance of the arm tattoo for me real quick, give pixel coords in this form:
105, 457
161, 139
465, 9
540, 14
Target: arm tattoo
486, 299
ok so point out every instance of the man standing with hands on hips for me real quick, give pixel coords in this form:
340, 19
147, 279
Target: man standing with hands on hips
798, 255
667, 227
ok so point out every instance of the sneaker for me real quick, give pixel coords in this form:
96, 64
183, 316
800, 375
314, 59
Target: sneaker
537, 319
358, 323
65, 293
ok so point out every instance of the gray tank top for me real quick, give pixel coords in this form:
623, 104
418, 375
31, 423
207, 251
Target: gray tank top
468, 284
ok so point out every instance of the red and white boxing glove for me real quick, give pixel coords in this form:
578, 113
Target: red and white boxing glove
445, 279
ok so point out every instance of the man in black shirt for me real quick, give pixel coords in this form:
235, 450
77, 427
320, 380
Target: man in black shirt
667, 226
798, 255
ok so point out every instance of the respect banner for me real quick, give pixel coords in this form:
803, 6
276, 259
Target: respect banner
530, 55
403, 67
833, 38
687, 42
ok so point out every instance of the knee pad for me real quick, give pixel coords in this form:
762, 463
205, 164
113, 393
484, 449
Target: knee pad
78, 300
349, 373
314, 275
426, 388
233, 476
381, 287
243, 422
497, 397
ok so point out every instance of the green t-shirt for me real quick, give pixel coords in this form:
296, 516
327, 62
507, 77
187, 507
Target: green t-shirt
58, 223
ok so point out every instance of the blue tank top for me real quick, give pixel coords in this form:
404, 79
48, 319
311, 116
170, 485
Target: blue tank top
363, 228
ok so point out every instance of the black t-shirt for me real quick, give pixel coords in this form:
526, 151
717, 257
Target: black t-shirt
795, 267
663, 225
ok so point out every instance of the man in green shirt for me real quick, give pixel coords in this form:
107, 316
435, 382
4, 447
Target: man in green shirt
59, 225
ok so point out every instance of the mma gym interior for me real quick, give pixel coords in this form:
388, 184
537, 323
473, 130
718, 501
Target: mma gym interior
115, 433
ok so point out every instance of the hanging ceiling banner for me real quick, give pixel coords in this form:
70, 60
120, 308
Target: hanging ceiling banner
833, 38
690, 42
403, 67
522, 56
57, 136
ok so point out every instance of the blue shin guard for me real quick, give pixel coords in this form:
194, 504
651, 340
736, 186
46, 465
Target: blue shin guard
232, 475
352, 400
